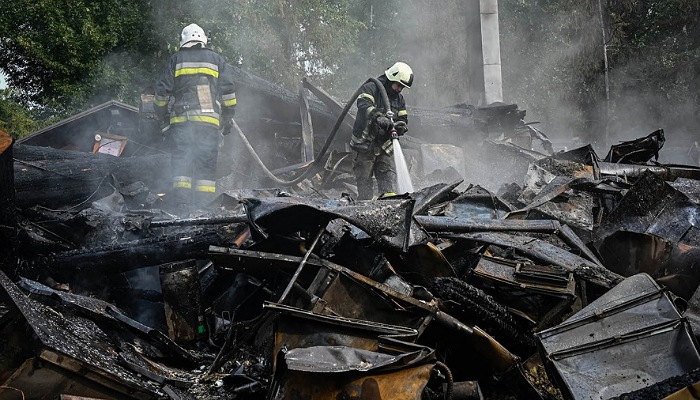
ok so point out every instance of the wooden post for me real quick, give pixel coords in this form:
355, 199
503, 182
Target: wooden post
9, 241
179, 282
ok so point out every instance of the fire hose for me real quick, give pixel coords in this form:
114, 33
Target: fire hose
326, 145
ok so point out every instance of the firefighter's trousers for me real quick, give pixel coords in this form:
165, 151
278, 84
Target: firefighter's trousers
194, 152
374, 163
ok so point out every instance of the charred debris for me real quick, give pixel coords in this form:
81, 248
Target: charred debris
576, 278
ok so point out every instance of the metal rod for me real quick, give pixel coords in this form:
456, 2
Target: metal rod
300, 267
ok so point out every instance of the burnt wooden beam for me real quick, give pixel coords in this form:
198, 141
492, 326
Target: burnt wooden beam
128, 256
333, 105
59, 178
307, 129
9, 241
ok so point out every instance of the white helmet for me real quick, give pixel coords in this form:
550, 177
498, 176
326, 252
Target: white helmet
193, 33
400, 72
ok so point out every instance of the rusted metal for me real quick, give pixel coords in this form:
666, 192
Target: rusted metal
302, 331
375, 299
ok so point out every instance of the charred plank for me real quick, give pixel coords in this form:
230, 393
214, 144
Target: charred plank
67, 178
129, 256
8, 215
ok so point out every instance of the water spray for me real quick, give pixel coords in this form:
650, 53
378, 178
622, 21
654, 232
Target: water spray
403, 178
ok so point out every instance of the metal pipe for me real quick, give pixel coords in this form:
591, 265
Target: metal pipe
456, 224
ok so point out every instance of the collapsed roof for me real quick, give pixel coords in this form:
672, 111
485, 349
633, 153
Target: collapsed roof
533, 280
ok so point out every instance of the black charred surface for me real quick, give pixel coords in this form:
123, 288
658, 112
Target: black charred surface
474, 307
79, 177
9, 239
638, 150
90, 224
74, 337
664, 388
653, 206
131, 255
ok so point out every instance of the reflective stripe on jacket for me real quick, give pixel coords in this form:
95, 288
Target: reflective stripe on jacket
200, 84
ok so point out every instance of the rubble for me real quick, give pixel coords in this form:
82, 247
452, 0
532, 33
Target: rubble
574, 279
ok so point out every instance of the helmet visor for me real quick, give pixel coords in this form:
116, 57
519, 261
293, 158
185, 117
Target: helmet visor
407, 82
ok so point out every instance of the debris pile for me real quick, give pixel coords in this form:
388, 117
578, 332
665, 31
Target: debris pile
576, 280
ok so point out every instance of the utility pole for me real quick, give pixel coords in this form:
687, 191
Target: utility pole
606, 114
370, 28
483, 52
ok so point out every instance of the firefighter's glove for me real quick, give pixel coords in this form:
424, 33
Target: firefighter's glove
383, 123
228, 125
401, 127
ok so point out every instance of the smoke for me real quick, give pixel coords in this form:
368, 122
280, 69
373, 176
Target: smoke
641, 109
551, 58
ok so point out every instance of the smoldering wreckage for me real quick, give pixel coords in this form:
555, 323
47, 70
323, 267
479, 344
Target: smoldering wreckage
555, 275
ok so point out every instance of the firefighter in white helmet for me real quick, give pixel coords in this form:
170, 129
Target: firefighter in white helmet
195, 96
371, 135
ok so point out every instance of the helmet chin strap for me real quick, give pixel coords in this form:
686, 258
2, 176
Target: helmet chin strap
390, 92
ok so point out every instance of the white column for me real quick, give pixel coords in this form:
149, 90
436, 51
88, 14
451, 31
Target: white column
491, 49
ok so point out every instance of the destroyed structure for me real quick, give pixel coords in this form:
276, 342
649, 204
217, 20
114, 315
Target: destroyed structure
554, 275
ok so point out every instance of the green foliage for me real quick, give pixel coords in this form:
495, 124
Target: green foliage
553, 65
54, 52
283, 41
656, 62
65, 55
15, 119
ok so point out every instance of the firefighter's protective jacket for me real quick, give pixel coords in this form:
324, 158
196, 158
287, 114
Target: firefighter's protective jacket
200, 83
365, 132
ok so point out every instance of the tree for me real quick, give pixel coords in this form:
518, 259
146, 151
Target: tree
60, 54
65, 55
14, 118
655, 61
553, 65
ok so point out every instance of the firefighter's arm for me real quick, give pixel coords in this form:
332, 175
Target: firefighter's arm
163, 90
227, 89
367, 106
401, 120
